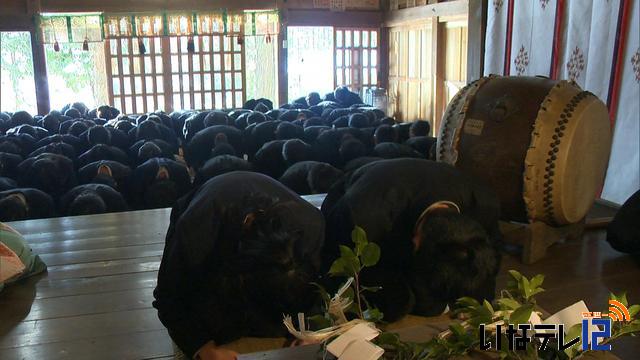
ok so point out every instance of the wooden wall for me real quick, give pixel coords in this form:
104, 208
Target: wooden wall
427, 59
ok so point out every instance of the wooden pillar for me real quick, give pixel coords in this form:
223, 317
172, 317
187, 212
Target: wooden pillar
477, 19
438, 33
40, 73
283, 75
383, 66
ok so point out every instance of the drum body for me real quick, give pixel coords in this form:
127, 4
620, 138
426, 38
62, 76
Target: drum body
541, 145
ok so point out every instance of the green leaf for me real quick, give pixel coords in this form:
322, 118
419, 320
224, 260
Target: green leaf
338, 268
457, 330
352, 266
521, 315
359, 237
373, 315
467, 302
508, 304
628, 329
346, 252
515, 275
633, 310
371, 289
526, 287
488, 306
622, 297
536, 281
388, 338
574, 332
370, 254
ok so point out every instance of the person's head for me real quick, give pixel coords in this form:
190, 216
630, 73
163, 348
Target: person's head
313, 99
420, 128
162, 192
87, 203
77, 128
14, 207
99, 135
148, 130
387, 121
322, 177
73, 113
358, 121
51, 123
147, 151
124, 125
385, 133
256, 118
453, 257
267, 260
352, 148
296, 150
287, 130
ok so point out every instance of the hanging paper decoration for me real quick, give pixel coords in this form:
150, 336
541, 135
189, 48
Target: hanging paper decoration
235, 21
210, 23
180, 24
70, 29
149, 25
262, 23
117, 26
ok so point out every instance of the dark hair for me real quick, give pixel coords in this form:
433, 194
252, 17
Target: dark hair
385, 133
266, 255
296, 150
148, 130
321, 178
13, 209
352, 149
87, 203
99, 135
420, 128
77, 128
147, 151
358, 121
287, 130
455, 258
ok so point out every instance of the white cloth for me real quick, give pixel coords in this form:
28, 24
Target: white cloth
623, 175
496, 37
532, 41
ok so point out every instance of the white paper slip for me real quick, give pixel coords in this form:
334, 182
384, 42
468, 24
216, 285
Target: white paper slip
364, 331
362, 350
570, 316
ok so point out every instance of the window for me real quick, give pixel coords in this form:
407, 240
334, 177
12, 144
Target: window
136, 80
211, 76
74, 74
310, 60
17, 84
356, 58
261, 67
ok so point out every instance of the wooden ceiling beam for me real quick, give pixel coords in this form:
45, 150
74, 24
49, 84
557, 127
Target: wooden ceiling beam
423, 13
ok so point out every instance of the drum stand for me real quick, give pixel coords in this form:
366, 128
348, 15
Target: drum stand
536, 237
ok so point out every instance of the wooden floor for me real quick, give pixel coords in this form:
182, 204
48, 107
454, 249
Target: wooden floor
95, 300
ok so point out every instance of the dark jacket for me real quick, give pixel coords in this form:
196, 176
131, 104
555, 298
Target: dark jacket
201, 238
386, 198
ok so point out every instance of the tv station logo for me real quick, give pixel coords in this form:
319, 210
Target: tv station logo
596, 327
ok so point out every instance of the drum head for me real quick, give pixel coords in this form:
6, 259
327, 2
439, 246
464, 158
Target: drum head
567, 159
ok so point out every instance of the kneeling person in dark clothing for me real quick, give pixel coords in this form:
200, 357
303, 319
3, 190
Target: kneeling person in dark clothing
25, 204
91, 199
240, 251
437, 230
